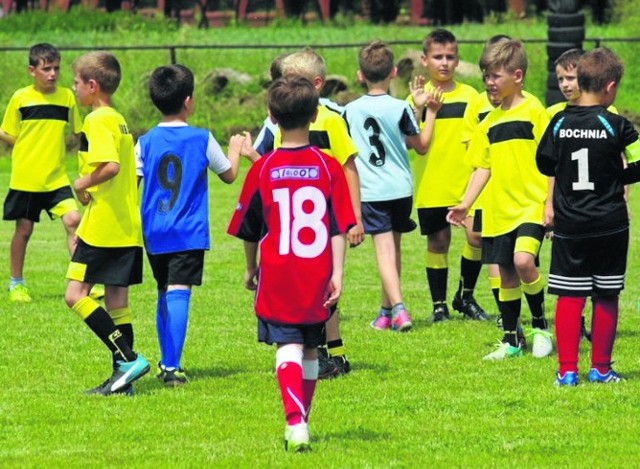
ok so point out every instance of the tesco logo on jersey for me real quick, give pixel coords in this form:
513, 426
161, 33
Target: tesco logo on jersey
295, 172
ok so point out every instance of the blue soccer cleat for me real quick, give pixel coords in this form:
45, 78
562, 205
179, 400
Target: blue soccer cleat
609, 377
570, 378
124, 373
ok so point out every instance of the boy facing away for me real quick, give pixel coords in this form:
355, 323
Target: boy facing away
503, 149
109, 244
580, 152
382, 127
173, 159
295, 206
34, 123
440, 180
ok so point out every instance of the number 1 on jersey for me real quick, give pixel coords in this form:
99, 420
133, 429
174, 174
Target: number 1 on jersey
583, 183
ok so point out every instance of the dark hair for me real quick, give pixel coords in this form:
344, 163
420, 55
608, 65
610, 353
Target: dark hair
169, 86
438, 36
375, 61
43, 53
597, 68
569, 58
292, 100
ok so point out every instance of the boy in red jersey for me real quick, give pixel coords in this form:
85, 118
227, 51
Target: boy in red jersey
295, 203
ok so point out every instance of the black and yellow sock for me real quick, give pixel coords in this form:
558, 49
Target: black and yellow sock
470, 265
510, 305
123, 319
336, 348
494, 284
534, 293
437, 273
99, 321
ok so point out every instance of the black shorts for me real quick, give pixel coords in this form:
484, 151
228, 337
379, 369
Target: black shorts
477, 221
28, 205
588, 266
177, 268
388, 215
500, 249
432, 220
311, 336
119, 267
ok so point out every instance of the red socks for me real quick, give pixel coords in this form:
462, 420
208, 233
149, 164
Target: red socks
603, 332
568, 331
289, 374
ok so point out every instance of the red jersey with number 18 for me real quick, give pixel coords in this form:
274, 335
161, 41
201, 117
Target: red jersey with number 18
292, 202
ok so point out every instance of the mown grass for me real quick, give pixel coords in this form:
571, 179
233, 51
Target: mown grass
423, 399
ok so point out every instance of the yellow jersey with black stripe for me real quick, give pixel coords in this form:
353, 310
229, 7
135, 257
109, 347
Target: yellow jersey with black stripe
38, 122
505, 143
112, 218
441, 175
330, 134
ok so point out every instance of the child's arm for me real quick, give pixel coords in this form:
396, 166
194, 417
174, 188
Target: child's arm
102, 173
479, 179
251, 269
6, 138
421, 142
248, 151
334, 287
233, 155
356, 233
549, 214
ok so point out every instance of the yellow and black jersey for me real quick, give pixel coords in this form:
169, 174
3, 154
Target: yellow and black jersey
505, 143
441, 175
112, 218
38, 122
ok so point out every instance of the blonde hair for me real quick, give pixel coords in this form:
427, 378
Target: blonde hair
508, 54
103, 67
307, 63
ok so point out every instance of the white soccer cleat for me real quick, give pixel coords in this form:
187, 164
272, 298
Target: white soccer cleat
542, 343
296, 438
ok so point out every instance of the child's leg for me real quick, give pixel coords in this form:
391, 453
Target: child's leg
387, 247
568, 319
161, 323
71, 220
117, 303
437, 266
493, 274
21, 235
470, 262
309, 377
510, 303
290, 379
603, 331
177, 299
533, 286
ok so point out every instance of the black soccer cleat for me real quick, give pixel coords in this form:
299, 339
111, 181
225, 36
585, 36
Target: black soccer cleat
440, 313
469, 308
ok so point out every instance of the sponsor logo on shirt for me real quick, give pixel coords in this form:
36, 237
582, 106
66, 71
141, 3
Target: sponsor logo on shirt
295, 172
582, 133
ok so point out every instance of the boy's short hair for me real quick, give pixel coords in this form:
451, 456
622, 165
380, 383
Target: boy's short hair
275, 70
508, 54
43, 53
569, 58
169, 86
292, 101
492, 41
597, 68
101, 66
438, 36
306, 62
375, 61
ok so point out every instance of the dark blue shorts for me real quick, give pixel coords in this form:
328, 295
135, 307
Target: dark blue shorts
388, 215
311, 336
177, 268
433, 219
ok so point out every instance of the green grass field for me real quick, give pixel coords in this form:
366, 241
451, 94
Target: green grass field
421, 399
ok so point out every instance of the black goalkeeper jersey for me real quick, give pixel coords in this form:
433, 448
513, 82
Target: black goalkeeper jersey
582, 148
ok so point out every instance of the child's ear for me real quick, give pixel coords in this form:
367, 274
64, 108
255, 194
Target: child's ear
273, 119
394, 73
32, 70
315, 116
518, 76
610, 87
318, 82
360, 76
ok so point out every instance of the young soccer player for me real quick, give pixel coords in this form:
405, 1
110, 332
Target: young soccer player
300, 194
440, 180
329, 133
503, 149
172, 159
580, 152
34, 123
109, 249
382, 127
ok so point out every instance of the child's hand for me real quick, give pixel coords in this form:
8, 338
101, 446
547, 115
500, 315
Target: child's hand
83, 196
246, 146
434, 100
251, 279
547, 221
418, 93
334, 289
457, 215
355, 235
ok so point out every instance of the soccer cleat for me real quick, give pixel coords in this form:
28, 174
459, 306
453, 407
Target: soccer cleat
542, 344
126, 391
381, 323
503, 350
522, 338
609, 377
97, 292
19, 294
342, 364
326, 368
175, 377
469, 308
570, 378
296, 438
401, 321
499, 322
123, 375
440, 313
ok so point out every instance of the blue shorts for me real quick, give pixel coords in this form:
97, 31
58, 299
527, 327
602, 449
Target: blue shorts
388, 215
311, 335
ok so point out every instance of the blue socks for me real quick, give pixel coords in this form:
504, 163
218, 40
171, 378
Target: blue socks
171, 322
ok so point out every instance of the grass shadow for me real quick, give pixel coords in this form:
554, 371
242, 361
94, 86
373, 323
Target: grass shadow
357, 434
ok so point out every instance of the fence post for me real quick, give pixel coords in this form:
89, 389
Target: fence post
172, 52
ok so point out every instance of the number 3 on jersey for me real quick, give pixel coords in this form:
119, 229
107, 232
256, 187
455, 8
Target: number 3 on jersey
294, 219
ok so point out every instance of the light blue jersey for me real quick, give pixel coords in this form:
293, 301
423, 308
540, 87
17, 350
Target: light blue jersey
173, 160
378, 126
